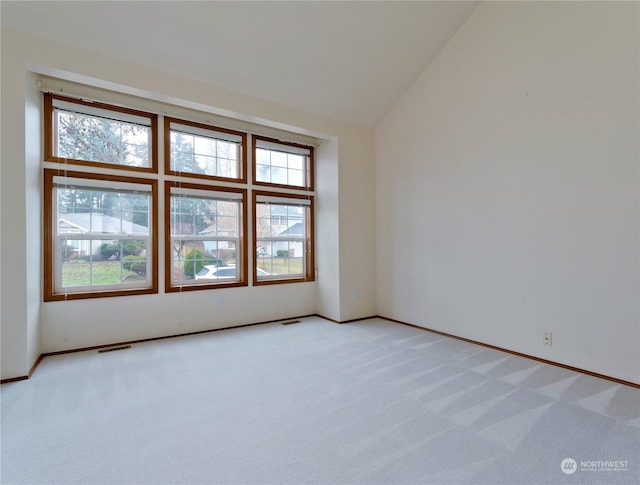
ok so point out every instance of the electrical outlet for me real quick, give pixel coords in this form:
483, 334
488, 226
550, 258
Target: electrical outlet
356, 294
546, 339
220, 301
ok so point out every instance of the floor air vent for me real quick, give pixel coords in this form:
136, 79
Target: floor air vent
291, 322
113, 349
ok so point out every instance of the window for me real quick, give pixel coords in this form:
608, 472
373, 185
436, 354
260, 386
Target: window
205, 241
283, 228
282, 164
91, 133
283, 220
99, 235
198, 150
101, 209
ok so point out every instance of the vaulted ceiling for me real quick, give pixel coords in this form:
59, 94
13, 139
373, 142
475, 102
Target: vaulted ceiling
349, 61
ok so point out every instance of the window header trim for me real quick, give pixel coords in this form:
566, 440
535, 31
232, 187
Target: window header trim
270, 199
206, 194
212, 132
84, 183
99, 111
263, 144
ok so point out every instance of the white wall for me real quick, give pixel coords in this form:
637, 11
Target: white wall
357, 246
507, 186
327, 212
15, 360
30, 327
33, 204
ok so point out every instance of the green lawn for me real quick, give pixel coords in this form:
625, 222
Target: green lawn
82, 273
281, 266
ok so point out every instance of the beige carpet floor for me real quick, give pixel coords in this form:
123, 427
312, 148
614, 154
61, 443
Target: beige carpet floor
370, 402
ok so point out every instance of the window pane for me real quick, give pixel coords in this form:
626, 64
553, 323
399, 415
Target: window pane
263, 220
206, 165
263, 173
204, 240
82, 211
263, 156
296, 177
282, 165
76, 262
103, 262
93, 138
101, 237
198, 261
278, 159
280, 258
274, 220
201, 217
204, 146
204, 155
227, 168
296, 162
280, 240
279, 175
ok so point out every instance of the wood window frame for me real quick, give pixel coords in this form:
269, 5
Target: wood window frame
153, 176
242, 163
309, 239
49, 143
50, 223
309, 169
242, 238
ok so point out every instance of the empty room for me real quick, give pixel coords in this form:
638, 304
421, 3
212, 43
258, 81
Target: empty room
309, 242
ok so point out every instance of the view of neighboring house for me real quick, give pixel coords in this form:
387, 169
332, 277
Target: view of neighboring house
220, 248
285, 227
95, 223
295, 247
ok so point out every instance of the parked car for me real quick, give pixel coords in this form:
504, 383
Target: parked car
212, 272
